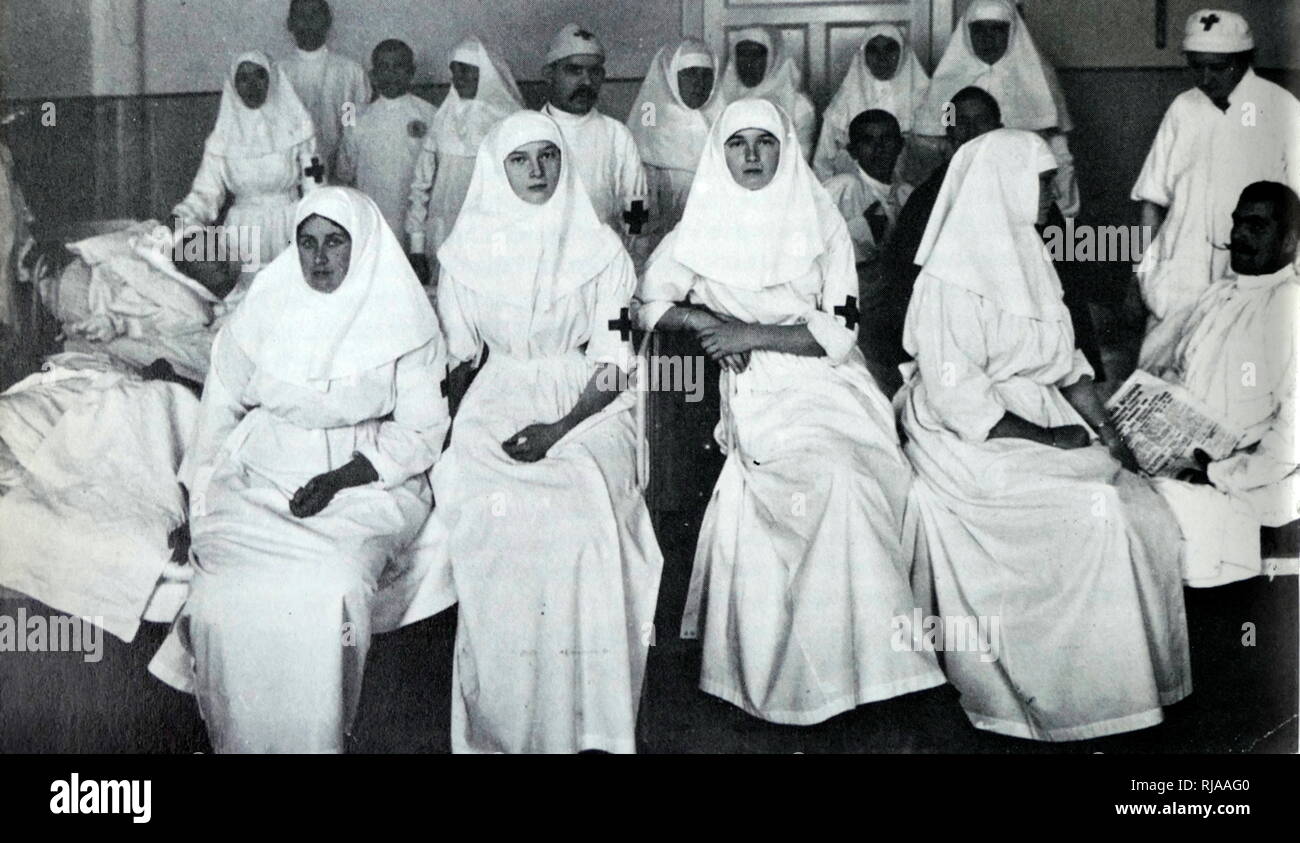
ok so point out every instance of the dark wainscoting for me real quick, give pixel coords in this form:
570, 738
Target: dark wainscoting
109, 157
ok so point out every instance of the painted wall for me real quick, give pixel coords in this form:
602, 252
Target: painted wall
106, 47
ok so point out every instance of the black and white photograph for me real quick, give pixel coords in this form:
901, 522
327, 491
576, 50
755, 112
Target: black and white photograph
904, 378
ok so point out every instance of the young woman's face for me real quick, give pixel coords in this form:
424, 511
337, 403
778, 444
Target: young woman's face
252, 83
751, 62
989, 39
534, 171
695, 84
881, 54
324, 252
464, 78
752, 157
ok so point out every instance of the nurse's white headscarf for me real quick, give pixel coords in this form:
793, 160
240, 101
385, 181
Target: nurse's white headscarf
752, 239
379, 313
277, 124
505, 247
860, 91
981, 234
782, 80
667, 132
1022, 82
461, 124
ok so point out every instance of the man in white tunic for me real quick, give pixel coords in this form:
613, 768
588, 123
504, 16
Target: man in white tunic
1237, 356
670, 120
330, 85
604, 153
760, 67
870, 197
992, 49
1232, 129
483, 92
377, 155
1020, 513
884, 73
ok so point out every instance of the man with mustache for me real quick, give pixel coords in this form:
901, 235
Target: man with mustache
1232, 129
605, 154
1237, 356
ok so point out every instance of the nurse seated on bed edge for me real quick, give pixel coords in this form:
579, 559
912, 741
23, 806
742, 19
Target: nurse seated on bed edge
306, 477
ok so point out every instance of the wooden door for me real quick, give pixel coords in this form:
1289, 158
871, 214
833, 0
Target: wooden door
824, 33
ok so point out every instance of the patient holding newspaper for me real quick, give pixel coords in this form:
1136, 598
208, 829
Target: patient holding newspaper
1216, 428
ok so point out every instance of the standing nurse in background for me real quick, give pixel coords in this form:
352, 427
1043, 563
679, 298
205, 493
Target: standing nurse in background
483, 93
670, 121
261, 152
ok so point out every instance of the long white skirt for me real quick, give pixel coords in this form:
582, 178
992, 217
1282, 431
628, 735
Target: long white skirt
1075, 562
555, 565
799, 563
274, 637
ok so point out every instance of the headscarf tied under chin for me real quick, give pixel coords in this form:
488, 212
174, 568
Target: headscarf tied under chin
505, 247
981, 234
667, 132
782, 81
900, 94
279, 123
752, 239
1022, 82
461, 124
379, 313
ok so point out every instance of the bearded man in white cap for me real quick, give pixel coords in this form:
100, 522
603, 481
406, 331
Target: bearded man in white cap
1229, 131
605, 154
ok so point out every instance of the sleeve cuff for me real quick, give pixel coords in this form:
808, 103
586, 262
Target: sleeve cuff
649, 313
390, 473
836, 340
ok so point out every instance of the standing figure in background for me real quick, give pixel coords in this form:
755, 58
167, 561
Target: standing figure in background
992, 49
378, 154
869, 197
550, 546
760, 67
1232, 129
262, 151
483, 93
670, 121
605, 157
884, 74
327, 83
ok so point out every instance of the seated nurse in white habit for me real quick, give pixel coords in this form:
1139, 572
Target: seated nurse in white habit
1023, 517
1238, 358
799, 567
550, 545
306, 475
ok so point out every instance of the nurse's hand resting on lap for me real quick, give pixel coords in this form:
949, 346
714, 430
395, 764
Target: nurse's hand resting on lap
317, 493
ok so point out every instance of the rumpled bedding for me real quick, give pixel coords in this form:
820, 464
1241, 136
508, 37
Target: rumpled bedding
123, 297
88, 491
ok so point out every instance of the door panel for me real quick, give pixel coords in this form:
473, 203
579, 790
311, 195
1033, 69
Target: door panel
824, 33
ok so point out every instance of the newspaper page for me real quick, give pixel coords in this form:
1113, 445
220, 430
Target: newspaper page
1163, 424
